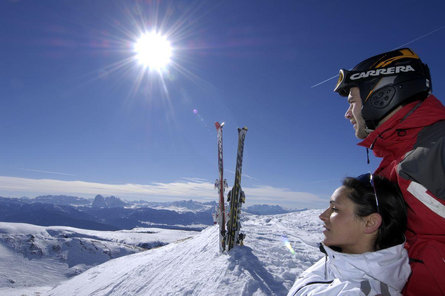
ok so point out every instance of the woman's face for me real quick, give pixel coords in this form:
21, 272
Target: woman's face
343, 228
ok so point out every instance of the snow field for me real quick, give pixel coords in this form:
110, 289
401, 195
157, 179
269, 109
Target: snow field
34, 256
263, 266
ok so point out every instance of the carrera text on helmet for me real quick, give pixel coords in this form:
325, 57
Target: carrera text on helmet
384, 71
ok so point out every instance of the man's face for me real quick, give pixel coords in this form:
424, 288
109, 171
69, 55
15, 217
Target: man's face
354, 113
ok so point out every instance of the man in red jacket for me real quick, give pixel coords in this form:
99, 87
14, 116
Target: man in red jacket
392, 109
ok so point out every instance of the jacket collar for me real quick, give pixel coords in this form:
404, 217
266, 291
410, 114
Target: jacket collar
408, 120
389, 266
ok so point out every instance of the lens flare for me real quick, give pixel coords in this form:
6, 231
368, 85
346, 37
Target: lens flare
287, 245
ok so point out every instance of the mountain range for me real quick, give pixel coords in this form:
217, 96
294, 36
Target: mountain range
112, 213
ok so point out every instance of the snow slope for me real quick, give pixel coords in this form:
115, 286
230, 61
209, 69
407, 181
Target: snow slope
33, 256
265, 265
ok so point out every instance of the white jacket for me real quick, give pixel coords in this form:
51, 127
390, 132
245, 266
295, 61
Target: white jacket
383, 272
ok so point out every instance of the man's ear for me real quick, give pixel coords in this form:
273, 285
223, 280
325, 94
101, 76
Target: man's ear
372, 223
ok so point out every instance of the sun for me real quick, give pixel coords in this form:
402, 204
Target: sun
153, 51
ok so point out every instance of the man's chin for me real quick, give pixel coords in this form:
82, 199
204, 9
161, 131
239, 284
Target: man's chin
361, 134
360, 137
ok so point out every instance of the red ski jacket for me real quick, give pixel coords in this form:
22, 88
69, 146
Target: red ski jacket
412, 144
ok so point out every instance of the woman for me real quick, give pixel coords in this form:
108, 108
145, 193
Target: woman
363, 242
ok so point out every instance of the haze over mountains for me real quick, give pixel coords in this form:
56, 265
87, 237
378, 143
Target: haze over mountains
112, 213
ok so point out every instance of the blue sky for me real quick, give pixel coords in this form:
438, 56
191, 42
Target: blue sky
79, 116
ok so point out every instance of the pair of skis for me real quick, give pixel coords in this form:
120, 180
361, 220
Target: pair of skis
236, 197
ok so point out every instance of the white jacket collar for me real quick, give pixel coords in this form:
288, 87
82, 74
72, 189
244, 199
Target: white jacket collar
389, 266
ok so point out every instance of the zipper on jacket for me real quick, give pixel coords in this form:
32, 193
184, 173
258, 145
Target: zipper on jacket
320, 246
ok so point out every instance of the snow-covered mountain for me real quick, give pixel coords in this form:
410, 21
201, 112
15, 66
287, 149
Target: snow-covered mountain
268, 210
60, 200
111, 213
44, 256
182, 206
107, 202
108, 213
277, 248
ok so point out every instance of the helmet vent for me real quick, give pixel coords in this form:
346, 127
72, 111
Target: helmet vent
382, 97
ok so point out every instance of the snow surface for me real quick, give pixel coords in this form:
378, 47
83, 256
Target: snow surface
265, 265
35, 256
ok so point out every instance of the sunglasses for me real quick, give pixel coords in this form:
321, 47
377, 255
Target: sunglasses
366, 179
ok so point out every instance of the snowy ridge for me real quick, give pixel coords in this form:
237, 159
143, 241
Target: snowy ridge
36, 256
264, 266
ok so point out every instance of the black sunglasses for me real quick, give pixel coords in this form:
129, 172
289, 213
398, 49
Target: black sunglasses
369, 179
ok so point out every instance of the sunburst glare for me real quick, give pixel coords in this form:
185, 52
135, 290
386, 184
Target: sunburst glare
153, 51
155, 47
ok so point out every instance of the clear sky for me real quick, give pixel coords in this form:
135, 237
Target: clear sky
80, 116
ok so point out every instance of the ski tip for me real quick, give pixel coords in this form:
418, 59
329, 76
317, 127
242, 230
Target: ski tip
219, 125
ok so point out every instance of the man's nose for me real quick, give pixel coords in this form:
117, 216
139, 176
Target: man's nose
348, 114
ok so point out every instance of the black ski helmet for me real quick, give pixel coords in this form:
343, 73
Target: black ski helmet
386, 81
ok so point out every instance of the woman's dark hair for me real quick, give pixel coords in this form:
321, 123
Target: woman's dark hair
391, 206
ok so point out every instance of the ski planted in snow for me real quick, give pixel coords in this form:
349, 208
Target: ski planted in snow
236, 197
221, 184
